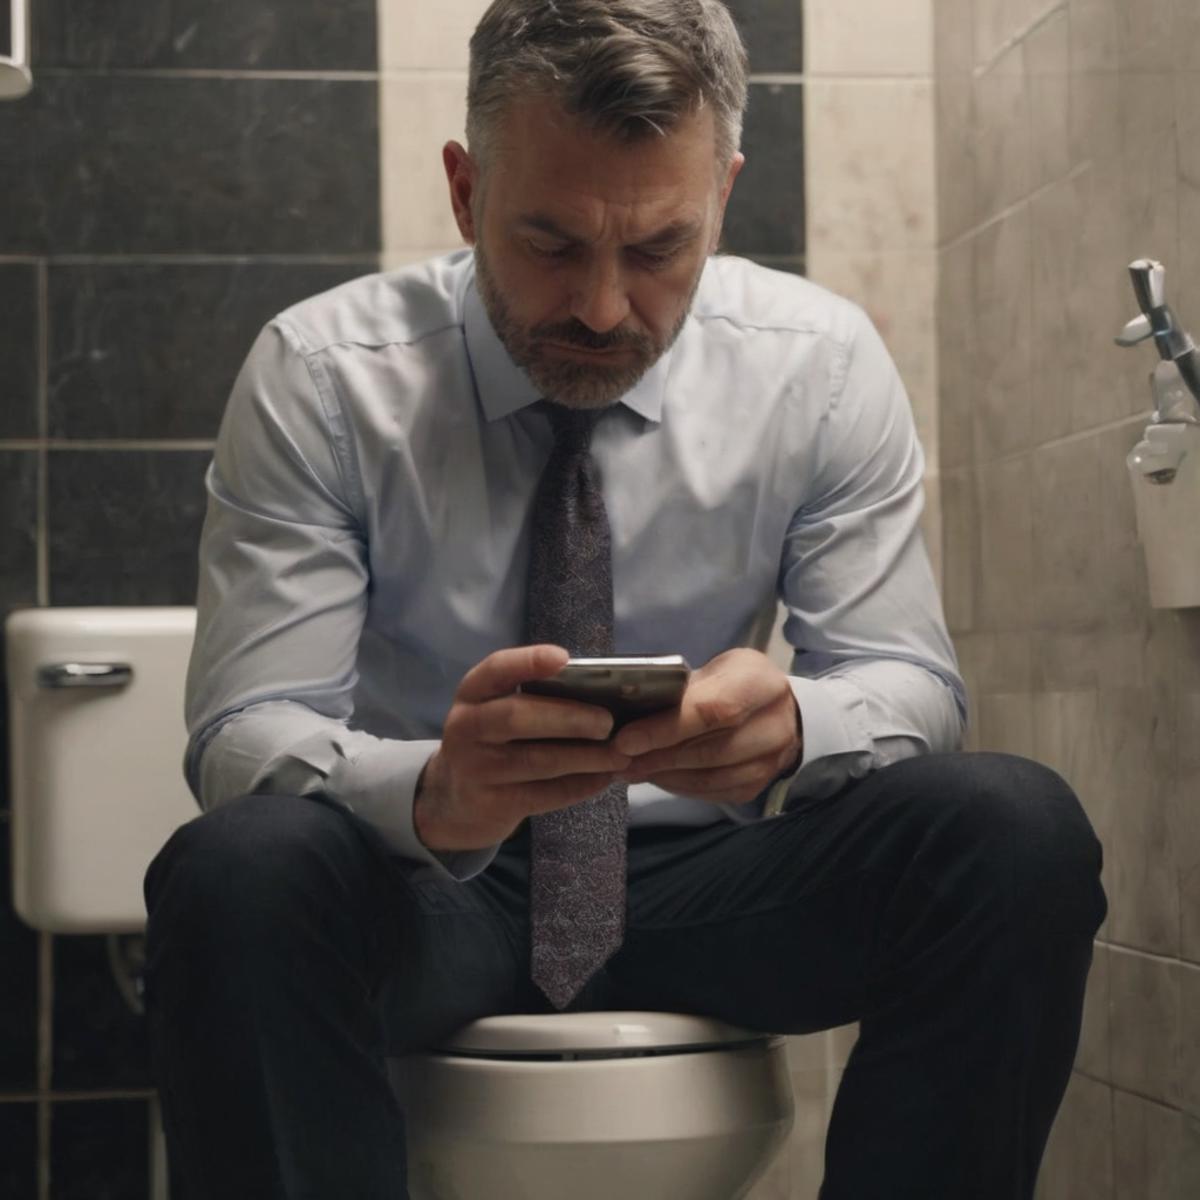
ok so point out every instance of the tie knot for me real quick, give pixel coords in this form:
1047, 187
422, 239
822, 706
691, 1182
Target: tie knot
572, 426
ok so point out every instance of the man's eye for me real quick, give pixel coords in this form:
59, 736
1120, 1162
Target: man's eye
550, 251
656, 258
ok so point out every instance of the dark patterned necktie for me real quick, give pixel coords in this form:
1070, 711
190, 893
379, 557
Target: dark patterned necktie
577, 869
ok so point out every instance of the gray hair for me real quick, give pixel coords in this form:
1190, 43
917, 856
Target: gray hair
629, 68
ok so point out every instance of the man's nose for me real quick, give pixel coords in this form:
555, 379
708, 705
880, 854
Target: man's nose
601, 300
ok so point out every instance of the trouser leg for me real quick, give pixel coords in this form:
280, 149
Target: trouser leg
277, 926
948, 903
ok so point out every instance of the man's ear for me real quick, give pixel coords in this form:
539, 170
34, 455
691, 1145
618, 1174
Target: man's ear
735, 167
463, 178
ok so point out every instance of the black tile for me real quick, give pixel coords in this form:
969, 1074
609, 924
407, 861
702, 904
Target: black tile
260, 34
99, 1042
766, 210
18, 991
123, 363
18, 350
125, 525
773, 31
18, 564
128, 164
18, 529
100, 1150
18, 1151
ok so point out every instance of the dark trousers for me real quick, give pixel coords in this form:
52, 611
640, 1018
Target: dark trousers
948, 903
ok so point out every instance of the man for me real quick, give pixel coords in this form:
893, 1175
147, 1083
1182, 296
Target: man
804, 849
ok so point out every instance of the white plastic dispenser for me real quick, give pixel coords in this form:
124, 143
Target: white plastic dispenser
1165, 466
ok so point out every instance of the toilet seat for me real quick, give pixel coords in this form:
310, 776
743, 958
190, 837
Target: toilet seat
594, 1035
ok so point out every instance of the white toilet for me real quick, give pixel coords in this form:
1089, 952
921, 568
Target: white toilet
595, 1106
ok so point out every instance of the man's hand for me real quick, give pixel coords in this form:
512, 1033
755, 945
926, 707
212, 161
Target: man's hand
736, 730
506, 755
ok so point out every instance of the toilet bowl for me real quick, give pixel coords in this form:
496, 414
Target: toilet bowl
594, 1106
591, 1106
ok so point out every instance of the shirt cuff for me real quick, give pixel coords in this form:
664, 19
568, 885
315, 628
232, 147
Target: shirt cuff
381, 789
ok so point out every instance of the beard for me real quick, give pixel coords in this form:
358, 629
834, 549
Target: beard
573, 384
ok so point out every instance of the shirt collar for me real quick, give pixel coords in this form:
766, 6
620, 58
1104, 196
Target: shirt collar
504, 388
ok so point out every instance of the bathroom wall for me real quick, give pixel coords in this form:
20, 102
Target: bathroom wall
181, 171
1068, 144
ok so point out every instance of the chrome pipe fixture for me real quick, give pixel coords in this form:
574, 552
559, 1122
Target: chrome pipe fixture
1157, 321
15, 76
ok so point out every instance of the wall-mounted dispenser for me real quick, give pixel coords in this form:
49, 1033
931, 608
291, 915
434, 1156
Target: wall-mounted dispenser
1165, 465
15, 77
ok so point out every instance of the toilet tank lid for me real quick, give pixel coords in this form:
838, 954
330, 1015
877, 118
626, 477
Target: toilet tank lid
594, 1033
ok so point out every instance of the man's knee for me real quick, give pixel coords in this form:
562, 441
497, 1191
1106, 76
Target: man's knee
249, 856
1023, 832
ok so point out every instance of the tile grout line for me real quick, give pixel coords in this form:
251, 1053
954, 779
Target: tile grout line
1013, 40
207, 73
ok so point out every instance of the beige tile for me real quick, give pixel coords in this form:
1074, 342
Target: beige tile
1005, 546
805, 1151
869, 37
960, 543
957, 147
1185, 277
1144, 1015
997, 22
953, 37
1099, 659
1070, 733
1078, 1160
869, 161
1123, 578
1095, 116
417, 116
1186, 826
396, 259
1004, 333
1140, 849
1186, 36
1002, 133
1095, 39
1069, 554
426, 36
1047, 61
898, 291
1187, 1092
842, 1041
1093, 1054
1001, 661
956, 356
1145, 33
1150, 164
776, 1182
1006, 724
806, 1052
1148, 1143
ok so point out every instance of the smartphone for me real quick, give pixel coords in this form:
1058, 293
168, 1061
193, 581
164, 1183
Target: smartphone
628, 687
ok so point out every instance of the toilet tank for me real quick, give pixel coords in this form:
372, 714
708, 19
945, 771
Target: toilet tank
96, 742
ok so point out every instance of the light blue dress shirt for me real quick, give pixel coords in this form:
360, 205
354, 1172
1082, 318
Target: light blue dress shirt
367, 535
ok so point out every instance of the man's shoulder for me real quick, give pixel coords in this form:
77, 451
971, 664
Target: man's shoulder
400, 307
755, 297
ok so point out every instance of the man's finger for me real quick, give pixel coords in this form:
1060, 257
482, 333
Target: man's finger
499, 674
514, 718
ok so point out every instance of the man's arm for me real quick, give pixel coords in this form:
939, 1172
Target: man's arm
874, 675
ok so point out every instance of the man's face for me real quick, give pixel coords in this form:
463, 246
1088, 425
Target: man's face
589, 251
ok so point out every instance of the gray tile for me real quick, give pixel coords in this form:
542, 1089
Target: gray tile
1005, 546
1187, 1093
1145, 1023
1078, 1160
134, 164
1148, 1150
18, 350
125, 526
1093, 1056
1186, 829
259, 34
124, 365
773, 31
766, 210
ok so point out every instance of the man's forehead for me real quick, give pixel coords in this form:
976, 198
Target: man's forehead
663, 230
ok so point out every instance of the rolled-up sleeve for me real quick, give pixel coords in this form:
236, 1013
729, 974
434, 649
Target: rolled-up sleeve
280, 609
874, 670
